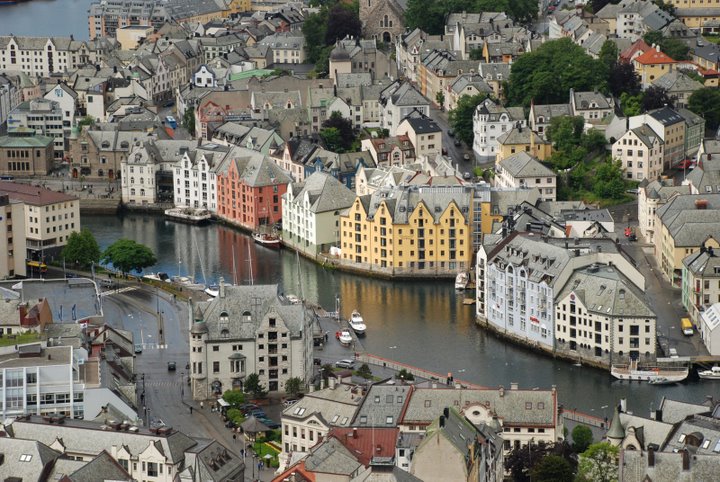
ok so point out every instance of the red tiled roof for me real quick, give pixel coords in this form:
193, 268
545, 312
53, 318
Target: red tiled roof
653, 56
29, 194
367, 443
301, 473
638, 46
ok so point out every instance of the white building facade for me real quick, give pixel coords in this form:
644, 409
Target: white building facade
490, 121
194, 179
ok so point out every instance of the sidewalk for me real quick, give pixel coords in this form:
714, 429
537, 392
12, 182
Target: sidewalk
213, 424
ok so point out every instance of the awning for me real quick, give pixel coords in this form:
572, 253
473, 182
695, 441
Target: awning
223, 403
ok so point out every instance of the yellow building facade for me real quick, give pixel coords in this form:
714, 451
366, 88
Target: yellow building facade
406, 235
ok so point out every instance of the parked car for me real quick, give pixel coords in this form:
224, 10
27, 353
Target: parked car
270, 424
632, 237
171, 366
457, 143
466, 156
686, 164
467, 176
628, 232
138, 348
346, 363
289, 402
451, 133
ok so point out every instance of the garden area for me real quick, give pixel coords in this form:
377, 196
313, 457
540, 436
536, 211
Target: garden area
19, 338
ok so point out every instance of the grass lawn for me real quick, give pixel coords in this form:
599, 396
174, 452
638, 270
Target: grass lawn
19, 339
263, 449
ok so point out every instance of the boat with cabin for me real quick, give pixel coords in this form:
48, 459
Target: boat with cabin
269, 240
357, 323
461, 281
711, 374
189, 215
344, 337
634, 372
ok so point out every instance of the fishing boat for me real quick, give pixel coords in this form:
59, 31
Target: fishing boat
634, 372
344, 337
189, 215
267, 240
461, 281
712, 374
357, 323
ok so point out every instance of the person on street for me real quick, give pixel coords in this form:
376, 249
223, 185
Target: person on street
202, 405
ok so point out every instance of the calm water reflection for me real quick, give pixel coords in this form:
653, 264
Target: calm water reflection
421, 323
46, 17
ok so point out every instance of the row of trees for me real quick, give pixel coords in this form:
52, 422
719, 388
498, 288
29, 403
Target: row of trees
82, 251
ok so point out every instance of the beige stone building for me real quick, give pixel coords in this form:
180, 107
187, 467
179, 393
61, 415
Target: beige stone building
22, 153
383, 20
12, 236
49, 216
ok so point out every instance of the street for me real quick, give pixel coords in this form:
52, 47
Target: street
163, 394
454, 152
663, 298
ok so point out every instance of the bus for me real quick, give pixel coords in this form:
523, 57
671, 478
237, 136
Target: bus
687, 327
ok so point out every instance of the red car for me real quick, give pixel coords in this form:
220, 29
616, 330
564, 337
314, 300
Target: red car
686, 164
628, 231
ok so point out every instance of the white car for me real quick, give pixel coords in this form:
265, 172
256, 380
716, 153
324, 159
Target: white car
347, 363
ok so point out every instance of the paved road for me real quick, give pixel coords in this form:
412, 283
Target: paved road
456, 153
661, 296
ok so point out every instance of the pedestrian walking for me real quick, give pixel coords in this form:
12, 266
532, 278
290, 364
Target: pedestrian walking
190, 410
202, 405
234, 437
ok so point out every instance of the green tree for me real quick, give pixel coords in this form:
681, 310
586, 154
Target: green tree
440, 99
582, 437
599, 463
608, 54
654, 98
622, 79
234, 397
337, 132
522, 461
631, 104
461, 117
705, 102
364, 371
670, 46
293, 386
253, 386
609, 182
127, 255
552, 468
565, 132
188, 121
342, 20
235, 415
81, 249
405, 375
88, 120
548, 74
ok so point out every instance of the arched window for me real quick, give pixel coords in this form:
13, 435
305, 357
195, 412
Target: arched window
132, 191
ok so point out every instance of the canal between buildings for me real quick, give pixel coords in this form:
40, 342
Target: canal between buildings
422, 323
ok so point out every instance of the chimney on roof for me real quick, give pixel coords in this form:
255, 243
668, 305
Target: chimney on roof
501, 390
651, 456
657, 47
513, 385
685, 460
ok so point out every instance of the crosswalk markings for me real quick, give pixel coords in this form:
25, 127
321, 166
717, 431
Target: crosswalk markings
121, 290
154, 346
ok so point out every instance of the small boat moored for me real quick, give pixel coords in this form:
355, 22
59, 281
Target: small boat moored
357, 323
267, 240
213, 291
189, 215
633, 372
461, 281
344, 337
711, 374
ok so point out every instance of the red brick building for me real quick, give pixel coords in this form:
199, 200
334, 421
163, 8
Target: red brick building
250, 188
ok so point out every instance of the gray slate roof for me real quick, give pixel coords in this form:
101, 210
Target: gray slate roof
426, 404
41, 456
245, 308
382, 405
522, 164
689, 226
668, 467
325, 193
103, 467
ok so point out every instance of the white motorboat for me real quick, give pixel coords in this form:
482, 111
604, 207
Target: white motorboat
344, 337
357, 323
461, 281
712, 374
159, 276
213, 291
633, 372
